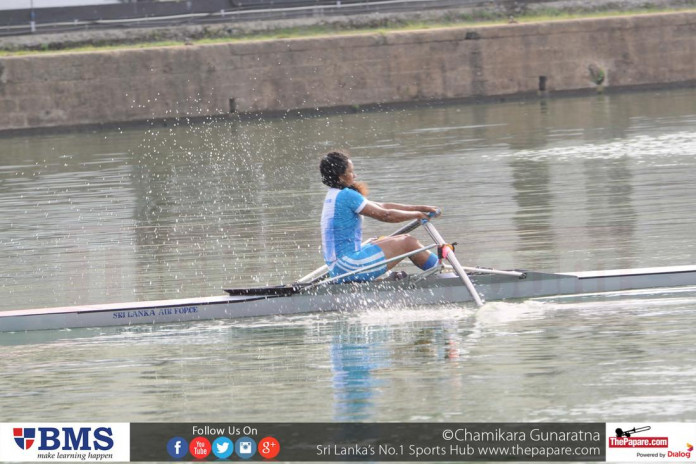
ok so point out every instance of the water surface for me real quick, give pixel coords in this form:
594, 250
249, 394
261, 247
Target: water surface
560, 185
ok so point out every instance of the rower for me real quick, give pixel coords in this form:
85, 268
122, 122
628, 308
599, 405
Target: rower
341, 225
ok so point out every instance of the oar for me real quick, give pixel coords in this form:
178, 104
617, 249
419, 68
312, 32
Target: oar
437, 238
416, 223
320, 273
485, 270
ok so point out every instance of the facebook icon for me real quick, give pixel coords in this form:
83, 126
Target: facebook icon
177, 447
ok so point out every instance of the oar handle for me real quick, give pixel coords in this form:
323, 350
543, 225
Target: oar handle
432, 215
416, 223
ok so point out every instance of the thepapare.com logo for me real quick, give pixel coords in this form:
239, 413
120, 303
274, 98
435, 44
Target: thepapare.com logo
66, 442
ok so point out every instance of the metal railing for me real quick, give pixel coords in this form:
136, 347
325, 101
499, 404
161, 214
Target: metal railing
18, 22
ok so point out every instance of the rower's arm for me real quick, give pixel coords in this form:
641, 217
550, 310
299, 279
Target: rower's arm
386, 213
421, 208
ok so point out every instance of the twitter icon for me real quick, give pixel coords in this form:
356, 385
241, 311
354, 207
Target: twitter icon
223, 447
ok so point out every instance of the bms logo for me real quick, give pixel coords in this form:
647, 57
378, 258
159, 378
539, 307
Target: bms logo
24, 437
65, 438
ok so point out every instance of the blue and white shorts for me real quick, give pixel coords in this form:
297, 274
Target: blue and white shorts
369, 254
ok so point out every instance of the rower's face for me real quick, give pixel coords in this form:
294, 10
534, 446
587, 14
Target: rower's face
348, 178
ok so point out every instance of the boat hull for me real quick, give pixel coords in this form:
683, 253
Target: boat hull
440, 289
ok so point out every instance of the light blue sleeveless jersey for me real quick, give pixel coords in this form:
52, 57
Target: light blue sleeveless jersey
341, 237
341, 223
341, 232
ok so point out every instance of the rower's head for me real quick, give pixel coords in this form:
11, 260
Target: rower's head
337, 170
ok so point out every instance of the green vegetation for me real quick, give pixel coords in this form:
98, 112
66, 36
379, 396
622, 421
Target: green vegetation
230, 33
52, 48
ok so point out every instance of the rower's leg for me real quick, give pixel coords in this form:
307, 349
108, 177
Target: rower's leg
400, 244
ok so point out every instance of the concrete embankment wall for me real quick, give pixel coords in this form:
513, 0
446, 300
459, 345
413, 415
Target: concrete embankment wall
129, 85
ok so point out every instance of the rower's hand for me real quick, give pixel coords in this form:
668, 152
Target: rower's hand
428, 213
432, 211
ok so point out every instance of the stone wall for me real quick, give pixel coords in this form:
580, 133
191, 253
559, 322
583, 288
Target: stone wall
130, 85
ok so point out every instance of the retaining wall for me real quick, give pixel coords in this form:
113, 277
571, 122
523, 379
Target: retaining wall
129, 85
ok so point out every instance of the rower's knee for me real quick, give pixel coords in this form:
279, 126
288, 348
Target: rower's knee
411, 243
399, 245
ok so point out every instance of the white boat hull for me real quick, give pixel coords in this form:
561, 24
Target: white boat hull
443, 288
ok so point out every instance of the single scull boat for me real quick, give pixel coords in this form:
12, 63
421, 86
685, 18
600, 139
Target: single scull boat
315, 293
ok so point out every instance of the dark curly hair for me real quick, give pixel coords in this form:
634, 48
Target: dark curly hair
332, 166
